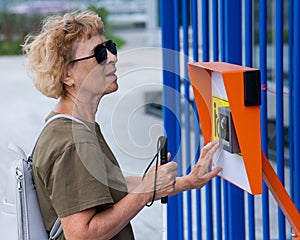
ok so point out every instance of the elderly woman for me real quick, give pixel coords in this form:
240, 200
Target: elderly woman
77, 176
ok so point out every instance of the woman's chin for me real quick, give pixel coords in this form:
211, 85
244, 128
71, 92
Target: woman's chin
112, 88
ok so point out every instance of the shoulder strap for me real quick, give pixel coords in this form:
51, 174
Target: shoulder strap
56, 229
65, 116
52, 119
20, 151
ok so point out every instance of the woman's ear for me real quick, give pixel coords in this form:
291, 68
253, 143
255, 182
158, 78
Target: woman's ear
68, 79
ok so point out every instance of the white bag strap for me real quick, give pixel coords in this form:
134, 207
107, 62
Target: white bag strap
52, 119
16, 149
65, 116
56, 229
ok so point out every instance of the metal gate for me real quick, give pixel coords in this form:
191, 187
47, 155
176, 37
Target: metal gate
259, 33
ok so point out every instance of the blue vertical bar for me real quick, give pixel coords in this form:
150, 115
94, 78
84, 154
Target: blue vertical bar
233, 49
263, 117
248, 33
248, 61
187, 127
215, 29
290, 76
195, 30
198, 191
233, 31
279, 108
291, 104
222, 51
205, 31
296, 101
215, 40
226, 209
222, 30
180, 230
170, 112
196, 117
205, 58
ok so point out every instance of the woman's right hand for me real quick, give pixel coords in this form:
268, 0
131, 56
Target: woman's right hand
165, 181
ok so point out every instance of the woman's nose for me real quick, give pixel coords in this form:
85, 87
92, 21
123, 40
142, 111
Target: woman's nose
111, 58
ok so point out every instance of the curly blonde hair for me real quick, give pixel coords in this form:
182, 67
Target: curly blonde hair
50, 53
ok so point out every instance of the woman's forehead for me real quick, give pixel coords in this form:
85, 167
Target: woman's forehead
88, 45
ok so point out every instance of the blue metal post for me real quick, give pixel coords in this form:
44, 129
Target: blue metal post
263, 117
296, 101
215, 29
233, 47
195, 30
233, 31
291, 104
248, 60
290, 76
205, 58
279, 108
215, 40
222, 30
205, 31
196, 118
171, 113
222, 56
187, 127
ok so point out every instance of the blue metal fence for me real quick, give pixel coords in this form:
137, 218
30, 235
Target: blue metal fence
221, 210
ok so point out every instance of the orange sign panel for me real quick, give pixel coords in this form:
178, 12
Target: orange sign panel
228, 98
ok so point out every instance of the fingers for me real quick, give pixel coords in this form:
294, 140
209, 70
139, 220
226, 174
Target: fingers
207, 153
207, 177
213, 173
168, 159
212, 146
169, 156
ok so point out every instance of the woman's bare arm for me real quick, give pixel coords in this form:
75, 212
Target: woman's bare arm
88, 224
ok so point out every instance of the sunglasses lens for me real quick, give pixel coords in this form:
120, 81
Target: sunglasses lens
100, 54
100, 51
111, 46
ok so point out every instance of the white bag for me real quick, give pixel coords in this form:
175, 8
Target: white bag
29, 219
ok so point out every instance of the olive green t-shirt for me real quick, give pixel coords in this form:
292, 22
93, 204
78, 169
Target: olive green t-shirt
74, 170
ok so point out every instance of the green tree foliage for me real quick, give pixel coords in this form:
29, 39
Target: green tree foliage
14, 27
107, 27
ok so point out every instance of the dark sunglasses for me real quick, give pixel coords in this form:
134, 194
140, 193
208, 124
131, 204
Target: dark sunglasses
100, 52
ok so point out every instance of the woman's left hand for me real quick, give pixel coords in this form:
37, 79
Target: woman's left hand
200, 175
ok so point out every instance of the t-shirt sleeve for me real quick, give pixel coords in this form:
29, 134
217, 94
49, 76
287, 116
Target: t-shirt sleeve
78, 180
